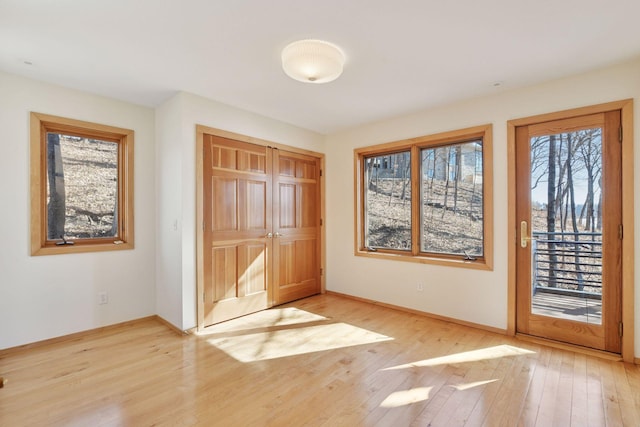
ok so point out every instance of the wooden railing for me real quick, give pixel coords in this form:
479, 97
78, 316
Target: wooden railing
567, 263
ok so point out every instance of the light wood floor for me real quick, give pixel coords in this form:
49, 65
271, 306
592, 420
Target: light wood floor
323, 361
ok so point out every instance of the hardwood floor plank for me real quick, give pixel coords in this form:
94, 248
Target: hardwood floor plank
466, 373
483, 408
469, 395
625, 390
394, 375
564, 396
323, 361
579, 391
612, 409
534, 368
550, 398
595, 399
536, 387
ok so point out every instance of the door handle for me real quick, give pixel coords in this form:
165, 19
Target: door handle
277, 235
269, 235
524, 234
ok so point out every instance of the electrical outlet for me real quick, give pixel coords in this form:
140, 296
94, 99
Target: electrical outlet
420, 287
103, 298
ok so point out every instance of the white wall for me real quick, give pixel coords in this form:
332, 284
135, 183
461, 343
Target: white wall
470, 295
48, 296
176, 122
169, 211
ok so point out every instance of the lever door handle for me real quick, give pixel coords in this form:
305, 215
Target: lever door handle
524, 234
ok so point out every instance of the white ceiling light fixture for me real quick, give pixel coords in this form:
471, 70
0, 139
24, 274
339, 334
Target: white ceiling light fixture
313, 61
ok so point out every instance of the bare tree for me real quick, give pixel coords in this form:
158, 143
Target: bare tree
473, 188
539, 159
591, 156
572, 202
56, 208
405, 167
458, 175
551, 211
599, 210
446, 182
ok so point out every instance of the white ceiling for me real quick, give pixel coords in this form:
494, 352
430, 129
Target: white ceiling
402, 55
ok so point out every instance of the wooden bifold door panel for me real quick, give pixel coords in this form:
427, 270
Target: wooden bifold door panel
261, 227
296, 229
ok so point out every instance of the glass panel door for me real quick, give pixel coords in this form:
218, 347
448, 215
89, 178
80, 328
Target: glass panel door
568, 209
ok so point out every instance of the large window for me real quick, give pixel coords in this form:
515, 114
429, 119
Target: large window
427, 199
82, 186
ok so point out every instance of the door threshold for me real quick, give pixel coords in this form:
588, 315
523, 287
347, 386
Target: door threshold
615, 357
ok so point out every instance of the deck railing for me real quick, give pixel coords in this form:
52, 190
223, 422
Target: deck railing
567, 263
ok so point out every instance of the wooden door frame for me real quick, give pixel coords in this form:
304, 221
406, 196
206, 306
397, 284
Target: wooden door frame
626, 109
201, 130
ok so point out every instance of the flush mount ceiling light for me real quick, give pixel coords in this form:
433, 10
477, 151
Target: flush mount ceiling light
312, 61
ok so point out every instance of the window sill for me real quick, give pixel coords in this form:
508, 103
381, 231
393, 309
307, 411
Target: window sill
479, 264
80, 248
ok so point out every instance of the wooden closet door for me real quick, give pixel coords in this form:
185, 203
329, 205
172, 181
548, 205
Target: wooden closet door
296, 226
237, 214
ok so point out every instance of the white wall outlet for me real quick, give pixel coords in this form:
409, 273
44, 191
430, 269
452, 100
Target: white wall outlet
420, 287
103, 298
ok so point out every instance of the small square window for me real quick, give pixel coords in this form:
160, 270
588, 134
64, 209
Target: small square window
82, 187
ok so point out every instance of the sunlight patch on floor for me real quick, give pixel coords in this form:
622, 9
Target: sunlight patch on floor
467, 356
406, 397
467, 386
267, 345
110, 414
264, 319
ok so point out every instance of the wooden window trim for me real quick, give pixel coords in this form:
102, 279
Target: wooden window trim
416, 144
40, 124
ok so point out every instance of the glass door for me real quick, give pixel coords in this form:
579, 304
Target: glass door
568, 217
